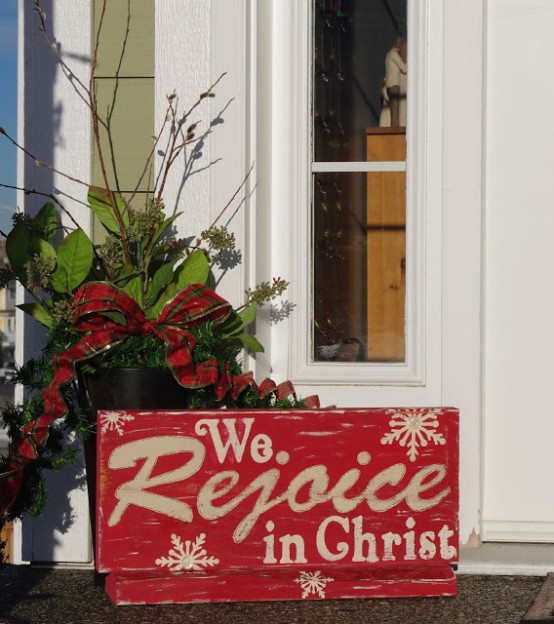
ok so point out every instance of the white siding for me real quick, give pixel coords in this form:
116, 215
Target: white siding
519, 392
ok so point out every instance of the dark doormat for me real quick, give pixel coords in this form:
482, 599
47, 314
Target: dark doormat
542, 610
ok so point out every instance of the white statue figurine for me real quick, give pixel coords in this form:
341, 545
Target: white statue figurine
395, 87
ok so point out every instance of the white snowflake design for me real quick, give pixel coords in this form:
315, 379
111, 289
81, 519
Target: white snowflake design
190, 556
313, 583
414, 428
114, 421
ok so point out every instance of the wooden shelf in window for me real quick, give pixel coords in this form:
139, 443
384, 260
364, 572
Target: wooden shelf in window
386, 247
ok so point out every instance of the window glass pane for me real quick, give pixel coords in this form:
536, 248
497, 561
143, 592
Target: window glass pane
359, 217
339, 271
359, 267
359, 45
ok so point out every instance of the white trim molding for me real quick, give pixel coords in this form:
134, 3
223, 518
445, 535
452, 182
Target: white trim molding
518, 531
507, 559
363, 166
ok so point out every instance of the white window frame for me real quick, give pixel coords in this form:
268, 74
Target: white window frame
291, 188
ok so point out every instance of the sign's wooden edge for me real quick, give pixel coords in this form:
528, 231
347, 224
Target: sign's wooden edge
433, 581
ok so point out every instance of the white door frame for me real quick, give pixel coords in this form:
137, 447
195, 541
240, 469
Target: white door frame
462, 236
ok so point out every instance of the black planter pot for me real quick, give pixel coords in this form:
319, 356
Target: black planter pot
131, 388
124, 389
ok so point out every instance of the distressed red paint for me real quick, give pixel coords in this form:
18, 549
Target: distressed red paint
277, 505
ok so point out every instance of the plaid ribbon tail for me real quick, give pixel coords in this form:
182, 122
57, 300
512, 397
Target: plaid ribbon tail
237, 385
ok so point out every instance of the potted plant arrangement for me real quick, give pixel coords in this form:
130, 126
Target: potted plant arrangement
142, 299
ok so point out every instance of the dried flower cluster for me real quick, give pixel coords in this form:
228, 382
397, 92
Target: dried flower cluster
219, 238
110, 254
39, 269
265, 292
144, 221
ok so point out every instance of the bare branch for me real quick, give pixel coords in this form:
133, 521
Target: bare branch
171, 155
51, 196
234, 195
40, 163
225, 208
54, 47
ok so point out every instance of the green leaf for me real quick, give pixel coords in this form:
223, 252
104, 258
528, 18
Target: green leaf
133, 288
47, 218
155, 310
60, 280
161, 229
38, 312
251, 342
194, 270
17, 250
75, 255
41, 248
101, 206
248, 315
117, 317
124, 274
236, 322
159, 281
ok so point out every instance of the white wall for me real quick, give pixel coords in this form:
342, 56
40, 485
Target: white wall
519, 392
187, 65
182, 66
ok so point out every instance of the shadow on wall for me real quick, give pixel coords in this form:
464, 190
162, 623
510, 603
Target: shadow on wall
43, 537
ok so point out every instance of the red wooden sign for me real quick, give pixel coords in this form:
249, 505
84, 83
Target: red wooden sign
277, 505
